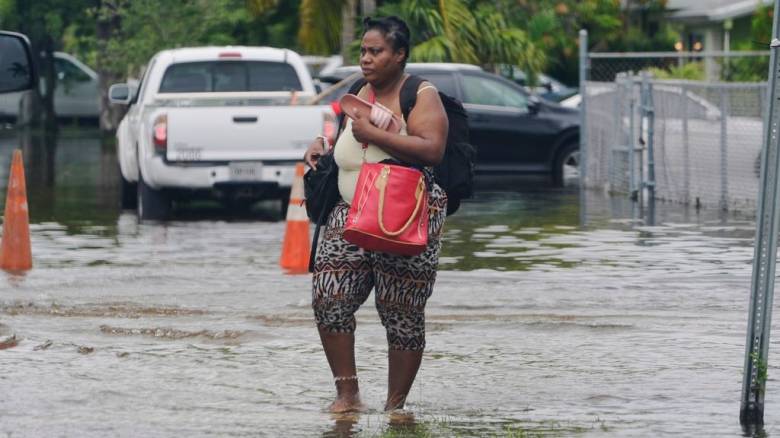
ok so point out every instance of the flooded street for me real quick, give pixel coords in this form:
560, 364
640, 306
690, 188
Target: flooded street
552, 316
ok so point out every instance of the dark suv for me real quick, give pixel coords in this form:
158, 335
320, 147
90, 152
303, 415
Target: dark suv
513, 131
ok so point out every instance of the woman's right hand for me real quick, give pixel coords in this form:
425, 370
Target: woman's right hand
314, 152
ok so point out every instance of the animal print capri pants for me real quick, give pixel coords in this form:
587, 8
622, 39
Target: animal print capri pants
344, 275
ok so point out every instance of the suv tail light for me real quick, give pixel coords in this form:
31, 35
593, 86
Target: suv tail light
329, 128
160, 133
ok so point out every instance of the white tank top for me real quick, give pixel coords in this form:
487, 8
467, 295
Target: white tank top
349, 156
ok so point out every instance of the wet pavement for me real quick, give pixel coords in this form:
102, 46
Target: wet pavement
553, 315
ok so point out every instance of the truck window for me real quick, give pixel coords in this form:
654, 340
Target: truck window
69, 72
226, 76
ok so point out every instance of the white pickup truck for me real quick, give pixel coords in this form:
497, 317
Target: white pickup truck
216, 122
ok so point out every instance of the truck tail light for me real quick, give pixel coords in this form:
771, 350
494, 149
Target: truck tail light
160, 133
329, 128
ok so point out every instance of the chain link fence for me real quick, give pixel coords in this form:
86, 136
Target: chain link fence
694, 142
732, 66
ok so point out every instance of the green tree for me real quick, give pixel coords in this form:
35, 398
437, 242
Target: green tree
148, 26
752, 69
321, 25
474, 32
45, 23
120, 36
328, 26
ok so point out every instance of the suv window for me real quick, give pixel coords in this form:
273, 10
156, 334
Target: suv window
481, 90
216, 76
444, 82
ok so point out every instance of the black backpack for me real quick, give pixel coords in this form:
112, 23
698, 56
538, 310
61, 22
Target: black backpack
455, 173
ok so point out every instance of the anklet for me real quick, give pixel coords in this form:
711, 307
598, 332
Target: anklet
344, 378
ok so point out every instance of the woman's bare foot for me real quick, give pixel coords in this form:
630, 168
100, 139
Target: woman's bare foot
347, 403
395, 402
347, 398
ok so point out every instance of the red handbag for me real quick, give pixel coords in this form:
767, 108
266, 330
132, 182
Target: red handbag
389, 212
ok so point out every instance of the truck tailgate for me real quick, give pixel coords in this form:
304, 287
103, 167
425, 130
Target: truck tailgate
242, 133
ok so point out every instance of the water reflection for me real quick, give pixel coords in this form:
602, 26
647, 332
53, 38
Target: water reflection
73, 179
71, 175
511, 224
754, 431
344, 426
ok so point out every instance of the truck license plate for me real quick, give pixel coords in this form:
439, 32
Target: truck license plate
246, 171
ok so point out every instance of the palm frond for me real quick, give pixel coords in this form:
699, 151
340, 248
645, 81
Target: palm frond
320, 26
261, 7
435, 49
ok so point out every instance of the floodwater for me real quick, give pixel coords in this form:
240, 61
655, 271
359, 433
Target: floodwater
553, 315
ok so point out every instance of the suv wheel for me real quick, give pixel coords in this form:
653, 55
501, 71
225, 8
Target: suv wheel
567, 165
152, 204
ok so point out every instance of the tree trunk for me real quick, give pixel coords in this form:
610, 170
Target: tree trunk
347, 29
110, 115
368, 7
49, 75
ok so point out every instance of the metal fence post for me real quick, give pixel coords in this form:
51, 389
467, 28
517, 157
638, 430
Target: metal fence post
632, 186
583, 106
649, 109
765, 255
616, 169
724, 153
686, 149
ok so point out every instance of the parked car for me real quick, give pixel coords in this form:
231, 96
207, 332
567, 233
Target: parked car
17, 70
546, 86
76, 94
217, 122
513, 131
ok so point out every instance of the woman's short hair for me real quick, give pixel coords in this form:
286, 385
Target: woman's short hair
394, 29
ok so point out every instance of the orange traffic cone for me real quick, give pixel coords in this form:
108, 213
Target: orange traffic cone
295, 249
15, 254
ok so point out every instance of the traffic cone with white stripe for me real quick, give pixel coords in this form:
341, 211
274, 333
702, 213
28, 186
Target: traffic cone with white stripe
15, 254
295, 249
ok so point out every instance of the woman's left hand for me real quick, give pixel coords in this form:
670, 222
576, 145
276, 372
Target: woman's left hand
362, 128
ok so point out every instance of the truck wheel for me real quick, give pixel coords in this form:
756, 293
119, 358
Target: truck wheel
566, 165
152, 204
284, 202
128, 197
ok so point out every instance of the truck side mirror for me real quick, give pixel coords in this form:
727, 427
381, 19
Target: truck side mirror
120, 94
17, 70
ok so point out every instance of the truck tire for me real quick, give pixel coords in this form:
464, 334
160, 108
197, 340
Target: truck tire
128, 196
152, 204
568, 158
284, 202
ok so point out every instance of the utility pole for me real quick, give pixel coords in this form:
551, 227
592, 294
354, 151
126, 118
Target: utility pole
762, 285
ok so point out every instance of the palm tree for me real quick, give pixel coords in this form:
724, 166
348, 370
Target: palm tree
473, 32
327, 25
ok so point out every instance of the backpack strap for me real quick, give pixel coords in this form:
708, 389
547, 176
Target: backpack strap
357, 85
408, 95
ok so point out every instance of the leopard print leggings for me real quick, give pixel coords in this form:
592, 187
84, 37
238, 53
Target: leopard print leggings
344, 275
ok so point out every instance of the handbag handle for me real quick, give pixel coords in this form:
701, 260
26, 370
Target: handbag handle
381, 184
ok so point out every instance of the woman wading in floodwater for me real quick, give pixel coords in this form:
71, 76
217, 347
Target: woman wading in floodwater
344, 274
